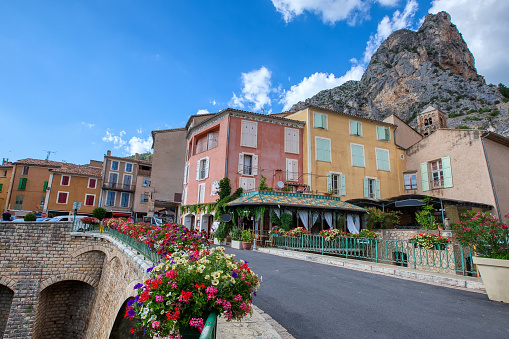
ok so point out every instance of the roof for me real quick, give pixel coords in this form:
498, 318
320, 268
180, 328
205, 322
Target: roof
294, 200
79, 170
38, 162
343, 113
143, 162
430, 108
497, 138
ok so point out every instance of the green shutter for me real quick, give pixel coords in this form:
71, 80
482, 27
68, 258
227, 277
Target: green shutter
22, 183
446, 169
322, 150
382, 160
357, 156
343, 185
324, 121
424, 177
317, 120
45, 186
379, 132
366, 188
329, 182
1, 185
377, 189
387, 133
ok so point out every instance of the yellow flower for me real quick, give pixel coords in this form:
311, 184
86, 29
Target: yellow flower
200, 268
233, 281
216, 275
215, 282
207, 277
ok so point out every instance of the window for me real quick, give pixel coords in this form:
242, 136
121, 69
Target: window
128, 167
201, 193
291, 140
248, 164
357, 155
185, 196
247, 184
113, 180
292, 169
65, 180
4, 174
45, 186
62, 197
249, 134
145, 182
437, 175
382, 160
336, 183
114, 165
110, 198
18, 203
202, 169
186, 174
319, 120
124, 199
371, 188
441, 174
322, 149
25, 170
355, 128
144, 199
1, 186
92, 183
383, 133
127, 181
22, 183
410, 181
89, 199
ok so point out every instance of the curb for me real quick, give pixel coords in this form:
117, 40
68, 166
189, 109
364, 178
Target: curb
434, 278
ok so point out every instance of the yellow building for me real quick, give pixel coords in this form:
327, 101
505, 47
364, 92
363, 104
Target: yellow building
5, 179
350, 156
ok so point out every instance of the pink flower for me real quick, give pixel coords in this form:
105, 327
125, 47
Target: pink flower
155, 324
159, 299
238, 298
197, 322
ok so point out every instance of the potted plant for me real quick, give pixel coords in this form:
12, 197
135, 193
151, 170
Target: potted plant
490, 238
236, 234
247, 239
184, 288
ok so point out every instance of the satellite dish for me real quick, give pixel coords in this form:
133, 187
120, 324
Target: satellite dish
226, 218
280, 184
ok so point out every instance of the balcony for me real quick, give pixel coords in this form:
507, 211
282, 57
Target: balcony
143, 173
115, 186
210, 143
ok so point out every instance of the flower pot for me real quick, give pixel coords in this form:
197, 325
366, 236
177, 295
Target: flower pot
237, 244
495, 275
217, 242
247, 245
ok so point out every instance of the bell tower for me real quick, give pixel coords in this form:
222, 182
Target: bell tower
431, 119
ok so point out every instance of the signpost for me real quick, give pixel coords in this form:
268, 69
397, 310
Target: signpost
76, 206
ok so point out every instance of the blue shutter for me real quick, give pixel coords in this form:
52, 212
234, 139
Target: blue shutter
424, 177
317, 120
329, 182
357, 156
447, 171
387, 133
366, 188
343, 185
377, 189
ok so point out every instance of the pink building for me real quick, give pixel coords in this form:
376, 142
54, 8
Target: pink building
242, 146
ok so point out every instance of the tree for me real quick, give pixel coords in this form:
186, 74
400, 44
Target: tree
99, 213
30, 217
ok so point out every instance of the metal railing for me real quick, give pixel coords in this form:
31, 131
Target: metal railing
119, 186
210, 328
445, 258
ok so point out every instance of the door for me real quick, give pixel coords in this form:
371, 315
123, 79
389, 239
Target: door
19, 202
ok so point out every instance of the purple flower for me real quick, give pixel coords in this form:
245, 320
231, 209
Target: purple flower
254, 293
137, 286
150, 269
234, 275
131, 313
130, 302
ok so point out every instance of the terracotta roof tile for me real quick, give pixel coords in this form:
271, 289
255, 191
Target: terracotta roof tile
38, 162
79, 170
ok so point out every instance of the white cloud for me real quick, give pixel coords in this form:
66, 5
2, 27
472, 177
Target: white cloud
202, 111
138, 145
139, 130
331, 11
87, 124
316, 83
115, 139
256, 88
213, 102
485, 28
387, 26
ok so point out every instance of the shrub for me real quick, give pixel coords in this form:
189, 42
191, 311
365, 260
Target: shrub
99, 213
30, 217
379, 219
247, 235
428, 240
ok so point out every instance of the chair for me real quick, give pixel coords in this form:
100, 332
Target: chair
269, 242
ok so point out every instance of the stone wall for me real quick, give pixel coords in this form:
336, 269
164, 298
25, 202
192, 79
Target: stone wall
5, 306
35, 257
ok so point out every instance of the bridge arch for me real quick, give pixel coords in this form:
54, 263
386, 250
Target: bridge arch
63, 310
6, 295
68, 276
82, 250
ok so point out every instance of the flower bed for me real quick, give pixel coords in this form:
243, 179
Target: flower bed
429, 241
184, 287
333, 234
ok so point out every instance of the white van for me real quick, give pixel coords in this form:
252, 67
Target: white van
67, 218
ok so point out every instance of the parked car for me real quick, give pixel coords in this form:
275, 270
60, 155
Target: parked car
67, 218
22, 219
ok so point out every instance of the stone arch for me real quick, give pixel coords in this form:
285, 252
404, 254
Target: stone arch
63, 310
188, 220
6, 295
8, 282
68, 276
206, 221
107, 251
122, 326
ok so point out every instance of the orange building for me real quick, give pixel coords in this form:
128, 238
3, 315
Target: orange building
73, 183
5, 179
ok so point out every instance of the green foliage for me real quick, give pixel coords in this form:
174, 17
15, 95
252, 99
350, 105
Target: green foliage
223, 230
236, 233
495, 113
224, 188
503, 90
285, 222
142, 156
379, 219
454, 115
424, 217
247, 235
462, 127
263, 186
505, 100
99, 213
30, 217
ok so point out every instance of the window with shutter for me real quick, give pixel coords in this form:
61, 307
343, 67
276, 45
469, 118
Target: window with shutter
124, 199
92, 183
249, 134
114, 165
201, 193
110, 198
113, 180
323, 151
383, 133
371, 188
424, 177
18, 203
292, 170
382, 160
143, 199
447, 171
65, 180
357, 155
22, 184
291, 140
89, 199
1, 186
127, 181
62, 197
319, 120
128, 167
45, 186
203, 168
355, 128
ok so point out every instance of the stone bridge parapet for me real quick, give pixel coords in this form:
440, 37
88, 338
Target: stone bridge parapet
58, 284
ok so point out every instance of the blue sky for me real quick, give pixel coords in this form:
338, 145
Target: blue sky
81, 77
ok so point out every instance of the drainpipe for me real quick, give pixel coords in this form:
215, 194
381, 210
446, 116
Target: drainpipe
491, 177
227, 147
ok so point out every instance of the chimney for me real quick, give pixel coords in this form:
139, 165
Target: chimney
64, 165
4, 161
136, 156
108, 153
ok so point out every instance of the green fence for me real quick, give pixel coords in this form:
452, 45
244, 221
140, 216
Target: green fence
446, 258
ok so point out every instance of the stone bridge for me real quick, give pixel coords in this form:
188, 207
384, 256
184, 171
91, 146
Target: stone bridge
58, 284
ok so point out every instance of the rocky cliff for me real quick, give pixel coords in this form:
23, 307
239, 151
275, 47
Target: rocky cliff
411, 70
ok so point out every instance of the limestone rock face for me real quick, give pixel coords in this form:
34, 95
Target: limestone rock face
411, 70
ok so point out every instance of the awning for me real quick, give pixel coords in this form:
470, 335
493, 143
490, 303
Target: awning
121, 214
296, 200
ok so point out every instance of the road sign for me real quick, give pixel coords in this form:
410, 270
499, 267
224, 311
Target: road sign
76, 205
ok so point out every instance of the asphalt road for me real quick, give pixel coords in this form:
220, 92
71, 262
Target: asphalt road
314, 300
